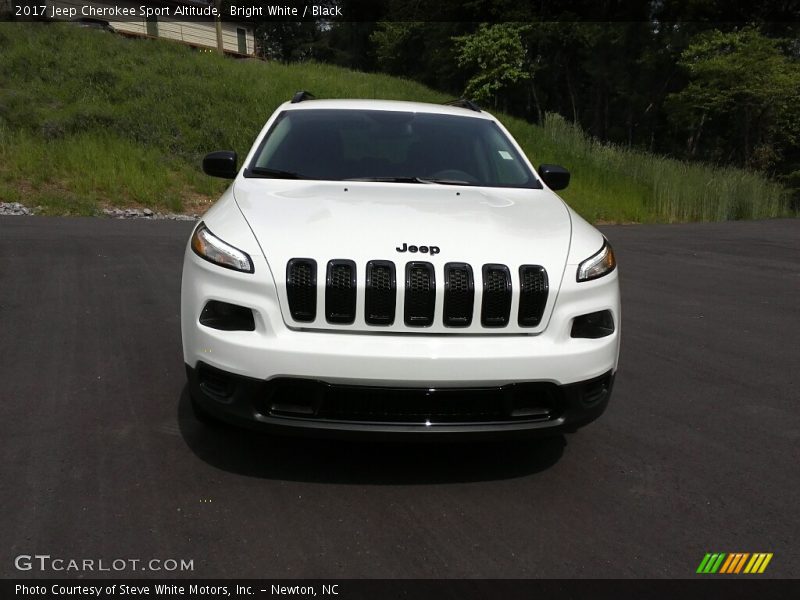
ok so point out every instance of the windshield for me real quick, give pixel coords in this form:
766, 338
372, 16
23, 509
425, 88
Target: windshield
404, 147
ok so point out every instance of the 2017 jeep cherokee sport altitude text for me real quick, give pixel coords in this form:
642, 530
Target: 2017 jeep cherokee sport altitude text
383, 267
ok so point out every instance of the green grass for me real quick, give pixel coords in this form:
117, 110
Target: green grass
89, 119
612, 183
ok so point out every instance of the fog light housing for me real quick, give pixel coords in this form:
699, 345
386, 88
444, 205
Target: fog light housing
593, 325
215, 384
227, 317
594, 392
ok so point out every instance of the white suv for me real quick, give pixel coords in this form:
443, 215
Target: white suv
381, 267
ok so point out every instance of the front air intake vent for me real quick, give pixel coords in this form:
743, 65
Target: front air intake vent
459, 294
496, 296
301, 288
532, 294
227, 317
420, 299
381, 293
340, 292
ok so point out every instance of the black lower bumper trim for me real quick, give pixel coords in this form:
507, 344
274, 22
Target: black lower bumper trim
297, 405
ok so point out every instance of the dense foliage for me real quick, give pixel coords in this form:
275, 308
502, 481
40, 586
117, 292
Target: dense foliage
709, 80
128, 123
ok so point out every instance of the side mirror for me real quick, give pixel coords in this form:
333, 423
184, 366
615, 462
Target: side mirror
555, 176
224, 163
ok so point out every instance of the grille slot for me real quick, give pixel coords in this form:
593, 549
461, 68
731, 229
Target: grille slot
532, 294
459, 295
381, 293
420, 299
321, 401
301, 288
414, 406
496, 296
340, 292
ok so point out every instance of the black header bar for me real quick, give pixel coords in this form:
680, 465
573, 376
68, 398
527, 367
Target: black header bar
718, 587
488, 11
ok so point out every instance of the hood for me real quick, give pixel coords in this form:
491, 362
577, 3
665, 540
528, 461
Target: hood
364, 221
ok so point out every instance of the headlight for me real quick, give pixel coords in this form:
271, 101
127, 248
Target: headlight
206, 245
598, 265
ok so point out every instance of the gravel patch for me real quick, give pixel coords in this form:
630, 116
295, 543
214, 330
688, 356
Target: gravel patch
17, 209
14, 208
145, 213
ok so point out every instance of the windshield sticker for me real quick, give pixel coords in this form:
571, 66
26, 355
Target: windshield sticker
505, 155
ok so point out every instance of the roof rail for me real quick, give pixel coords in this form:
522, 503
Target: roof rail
301, 95
464, 103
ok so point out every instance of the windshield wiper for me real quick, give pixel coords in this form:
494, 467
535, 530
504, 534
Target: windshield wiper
273, 173
278, 174
444, 181
429, 180
388, 179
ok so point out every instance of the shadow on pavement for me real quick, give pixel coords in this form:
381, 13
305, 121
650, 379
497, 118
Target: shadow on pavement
256, 454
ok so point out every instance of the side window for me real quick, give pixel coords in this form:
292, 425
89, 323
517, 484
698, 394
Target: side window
152, 25
241, 37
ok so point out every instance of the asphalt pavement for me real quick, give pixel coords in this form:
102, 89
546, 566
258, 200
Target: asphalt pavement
698, 452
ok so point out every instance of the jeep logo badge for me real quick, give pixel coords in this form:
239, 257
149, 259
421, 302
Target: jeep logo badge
424, 249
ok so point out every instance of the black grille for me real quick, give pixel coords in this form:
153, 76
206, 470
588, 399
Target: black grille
459, 294
316, 400
532, 294
381, 293
340, 292
496, 296
301, 288
412, 406
420, 297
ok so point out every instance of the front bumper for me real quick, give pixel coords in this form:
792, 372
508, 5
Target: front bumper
313, 407
384, 359
480, 366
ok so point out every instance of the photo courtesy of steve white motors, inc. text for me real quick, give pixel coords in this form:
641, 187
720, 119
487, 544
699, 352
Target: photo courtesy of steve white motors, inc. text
171, 589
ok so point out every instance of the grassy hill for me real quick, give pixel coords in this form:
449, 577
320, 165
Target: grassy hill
89, 119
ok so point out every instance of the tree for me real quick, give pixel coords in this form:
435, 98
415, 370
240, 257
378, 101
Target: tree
422, 51
742, 87
498, 55
393, 43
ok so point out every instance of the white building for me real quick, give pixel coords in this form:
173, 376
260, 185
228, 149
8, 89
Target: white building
238, 38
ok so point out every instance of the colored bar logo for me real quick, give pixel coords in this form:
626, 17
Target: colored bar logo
734, 563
